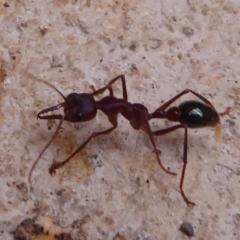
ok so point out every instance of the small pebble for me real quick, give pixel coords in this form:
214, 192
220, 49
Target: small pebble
187, 229
6, 4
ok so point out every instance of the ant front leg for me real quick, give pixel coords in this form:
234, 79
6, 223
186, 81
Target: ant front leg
168, 130
55, 165
109, 87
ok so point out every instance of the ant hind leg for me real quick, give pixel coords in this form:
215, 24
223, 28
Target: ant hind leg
168, 130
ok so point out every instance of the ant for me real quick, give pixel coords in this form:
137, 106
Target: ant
81, 107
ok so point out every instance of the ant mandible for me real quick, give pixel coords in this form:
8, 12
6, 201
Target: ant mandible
81, 107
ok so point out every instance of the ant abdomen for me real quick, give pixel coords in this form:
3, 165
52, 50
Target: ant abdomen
197, 114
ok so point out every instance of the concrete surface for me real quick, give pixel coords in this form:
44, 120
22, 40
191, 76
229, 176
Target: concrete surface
115, 189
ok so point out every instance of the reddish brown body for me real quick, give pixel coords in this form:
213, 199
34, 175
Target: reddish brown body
83, 107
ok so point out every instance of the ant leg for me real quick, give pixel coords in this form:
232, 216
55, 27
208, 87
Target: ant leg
148, 130
55, 165
226, 112
168, 103
100, 91
44, 149
168, 130
109, 87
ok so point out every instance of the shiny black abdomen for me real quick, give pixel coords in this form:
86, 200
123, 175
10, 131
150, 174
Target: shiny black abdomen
197, 114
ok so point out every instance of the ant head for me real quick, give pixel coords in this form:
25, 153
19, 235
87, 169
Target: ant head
197, 114
77, 108
80, 107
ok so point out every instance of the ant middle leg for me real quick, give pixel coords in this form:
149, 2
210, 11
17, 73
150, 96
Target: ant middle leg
146, 128
168, 130
109, 87
55, 165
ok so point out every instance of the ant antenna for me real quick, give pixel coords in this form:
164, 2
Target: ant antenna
48, 144
50, 85
31, 76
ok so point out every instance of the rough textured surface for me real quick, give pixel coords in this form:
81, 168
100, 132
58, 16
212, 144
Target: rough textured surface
114, 189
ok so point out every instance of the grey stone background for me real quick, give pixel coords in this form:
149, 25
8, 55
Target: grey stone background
115, 189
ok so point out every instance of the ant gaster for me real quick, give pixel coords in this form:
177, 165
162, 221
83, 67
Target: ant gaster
81, 107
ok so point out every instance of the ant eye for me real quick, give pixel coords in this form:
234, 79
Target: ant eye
79, 116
